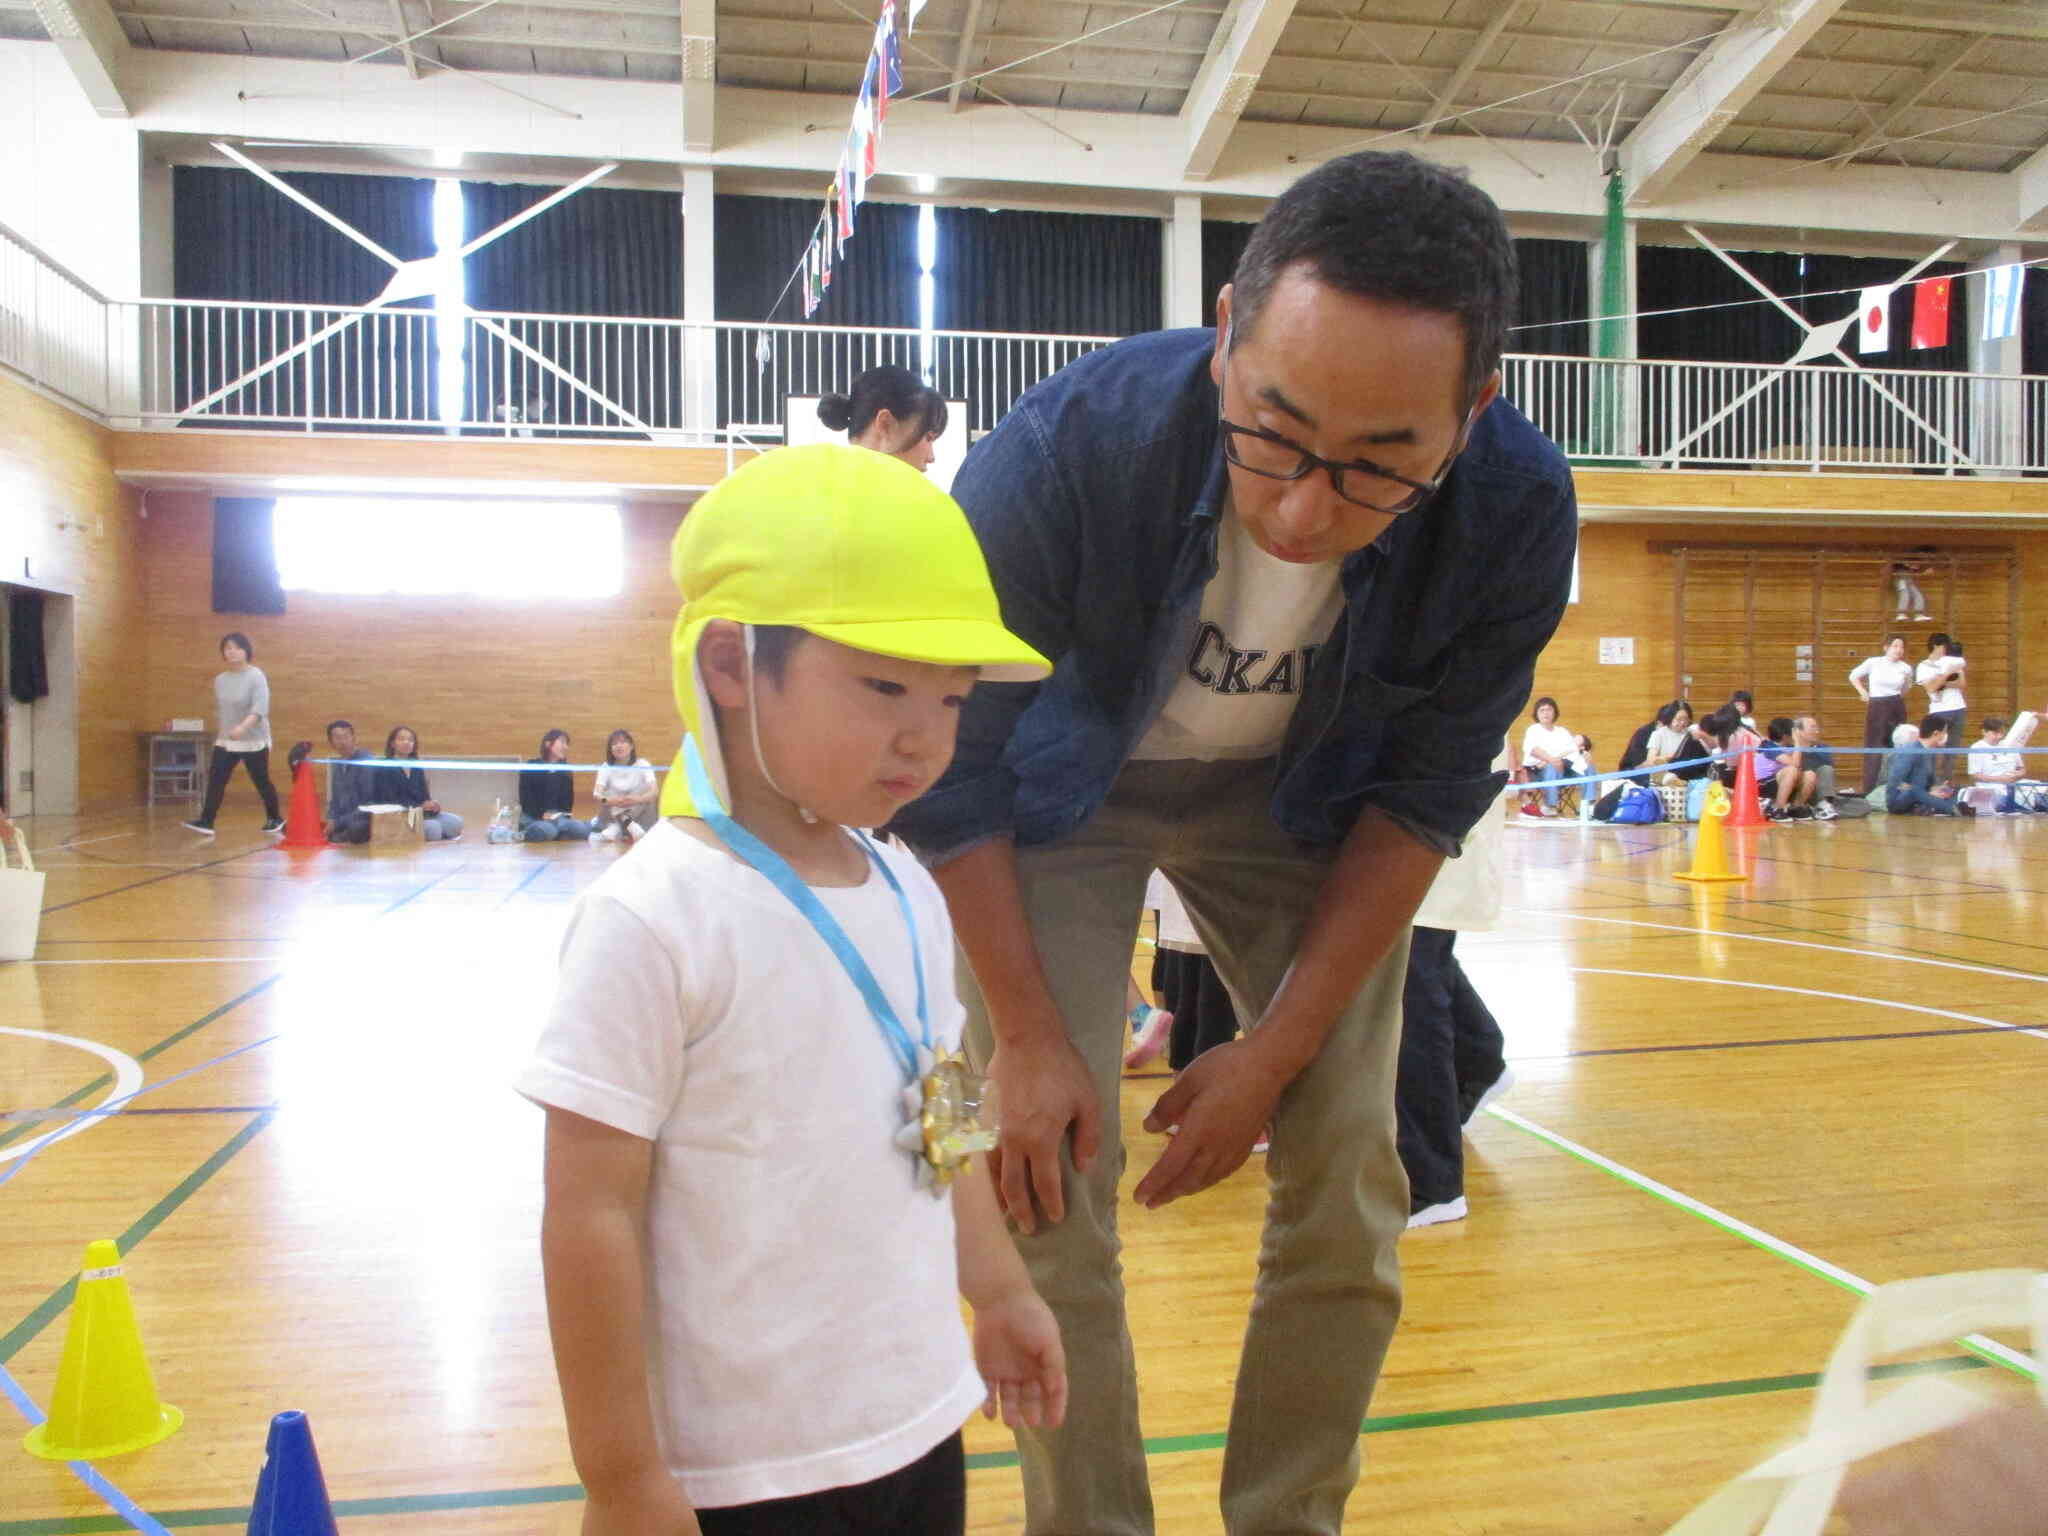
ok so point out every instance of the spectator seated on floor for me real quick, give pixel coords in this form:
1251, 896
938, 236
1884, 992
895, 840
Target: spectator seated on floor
1910, 788
349, 788
1817, 757
1995, 764
1784, 782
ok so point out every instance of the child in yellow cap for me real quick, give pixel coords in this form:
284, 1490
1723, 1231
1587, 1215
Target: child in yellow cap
754, 1241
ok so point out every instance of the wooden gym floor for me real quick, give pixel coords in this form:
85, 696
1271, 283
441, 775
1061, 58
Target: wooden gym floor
1844, 1054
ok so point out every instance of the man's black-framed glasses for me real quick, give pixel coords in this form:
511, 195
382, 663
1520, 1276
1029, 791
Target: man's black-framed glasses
1360, 482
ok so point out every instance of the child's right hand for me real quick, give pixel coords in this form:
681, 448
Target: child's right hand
651, 1506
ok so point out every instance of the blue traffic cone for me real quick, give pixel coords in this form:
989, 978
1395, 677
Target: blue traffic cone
291, 1495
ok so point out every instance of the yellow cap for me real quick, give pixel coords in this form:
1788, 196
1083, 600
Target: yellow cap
848, 544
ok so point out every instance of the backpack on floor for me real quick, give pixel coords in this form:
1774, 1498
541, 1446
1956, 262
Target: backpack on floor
1605, 807
1639, 805
1851, 807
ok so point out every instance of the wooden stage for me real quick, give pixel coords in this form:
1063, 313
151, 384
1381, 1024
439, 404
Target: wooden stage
1846, 1054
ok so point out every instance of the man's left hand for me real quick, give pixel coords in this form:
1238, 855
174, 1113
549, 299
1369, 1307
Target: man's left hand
1221, 1103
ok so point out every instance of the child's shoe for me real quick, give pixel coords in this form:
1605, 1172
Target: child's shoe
1152, 1026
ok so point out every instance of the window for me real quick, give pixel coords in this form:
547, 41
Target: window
445, 547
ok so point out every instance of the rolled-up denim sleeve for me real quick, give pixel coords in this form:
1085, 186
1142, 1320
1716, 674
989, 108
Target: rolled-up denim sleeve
1436, 775
1024, 509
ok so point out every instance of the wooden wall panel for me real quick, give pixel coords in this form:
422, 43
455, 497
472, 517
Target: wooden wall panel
471, 675
79, 528
1627, 588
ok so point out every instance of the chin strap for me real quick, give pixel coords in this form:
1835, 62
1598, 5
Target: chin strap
754, 731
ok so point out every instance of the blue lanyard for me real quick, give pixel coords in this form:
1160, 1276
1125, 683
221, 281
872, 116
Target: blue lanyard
778, 873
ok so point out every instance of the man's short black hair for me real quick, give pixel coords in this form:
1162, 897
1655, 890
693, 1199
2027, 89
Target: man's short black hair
337, 725
1780, 728
1391, 226
1994, 725
1932, 724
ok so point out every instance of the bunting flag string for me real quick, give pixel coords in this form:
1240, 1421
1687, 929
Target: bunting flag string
880, 80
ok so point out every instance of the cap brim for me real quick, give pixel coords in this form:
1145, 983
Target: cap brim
999, 655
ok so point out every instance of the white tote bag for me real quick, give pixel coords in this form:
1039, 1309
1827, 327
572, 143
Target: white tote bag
21, 901
1793, 1492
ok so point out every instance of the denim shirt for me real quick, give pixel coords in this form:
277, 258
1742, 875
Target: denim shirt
1097, 501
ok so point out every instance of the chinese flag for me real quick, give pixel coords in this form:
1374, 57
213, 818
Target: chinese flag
1930, 312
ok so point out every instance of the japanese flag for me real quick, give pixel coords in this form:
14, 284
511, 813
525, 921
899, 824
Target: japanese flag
1874, 330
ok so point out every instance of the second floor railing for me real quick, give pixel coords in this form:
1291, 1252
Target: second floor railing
184, 363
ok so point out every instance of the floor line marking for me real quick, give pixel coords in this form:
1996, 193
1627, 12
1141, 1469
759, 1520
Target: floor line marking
1165, 1445
1761, 938
40, 1317
1840, 997
1976, 1343
131, 1514
127, 1082
165, 960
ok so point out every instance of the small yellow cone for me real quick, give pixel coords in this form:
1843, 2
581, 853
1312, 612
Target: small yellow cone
106, 1401
1710, 849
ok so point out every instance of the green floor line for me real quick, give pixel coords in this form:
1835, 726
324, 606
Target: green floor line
1170, 1445
54, 1304
106, 1079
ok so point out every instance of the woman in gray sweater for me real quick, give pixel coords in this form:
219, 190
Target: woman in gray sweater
241, 707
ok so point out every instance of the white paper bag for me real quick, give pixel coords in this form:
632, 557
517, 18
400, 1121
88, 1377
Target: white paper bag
1792, 1493
21, 901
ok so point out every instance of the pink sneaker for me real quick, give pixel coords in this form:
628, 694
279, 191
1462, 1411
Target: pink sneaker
1154, 1025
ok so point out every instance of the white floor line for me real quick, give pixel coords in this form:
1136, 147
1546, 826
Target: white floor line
80, 842
1759, 938
1840, 997
1976, 1343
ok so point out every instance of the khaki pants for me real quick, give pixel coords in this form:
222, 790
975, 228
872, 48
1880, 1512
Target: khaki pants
1328, 1292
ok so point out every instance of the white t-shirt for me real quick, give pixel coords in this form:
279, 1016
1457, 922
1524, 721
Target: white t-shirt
1263, 620
1554, 739
1664, 741
1176, 928
804, 1323
1883, 677
1990, 757
1940, 697
615, 782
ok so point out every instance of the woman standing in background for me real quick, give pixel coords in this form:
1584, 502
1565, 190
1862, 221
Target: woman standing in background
241, 707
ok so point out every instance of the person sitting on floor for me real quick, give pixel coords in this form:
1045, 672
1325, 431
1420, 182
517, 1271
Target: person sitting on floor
1816, 756
408, 787
1786, 785
548, 795
1995, 766
1910, 787
349, 788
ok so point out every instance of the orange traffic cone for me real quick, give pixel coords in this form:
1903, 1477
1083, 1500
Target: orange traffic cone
302, 826
1710, 850
1749, 811
106, 1402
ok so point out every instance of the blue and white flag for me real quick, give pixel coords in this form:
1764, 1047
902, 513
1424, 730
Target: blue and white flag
2002, 288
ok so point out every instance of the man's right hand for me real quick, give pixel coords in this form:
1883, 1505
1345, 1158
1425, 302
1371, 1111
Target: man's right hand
1042, 1092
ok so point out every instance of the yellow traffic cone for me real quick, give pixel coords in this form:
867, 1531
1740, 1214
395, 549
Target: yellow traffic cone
1710, 850
106, 1401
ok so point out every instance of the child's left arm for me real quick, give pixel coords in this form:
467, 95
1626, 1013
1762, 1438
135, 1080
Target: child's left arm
1016, 1338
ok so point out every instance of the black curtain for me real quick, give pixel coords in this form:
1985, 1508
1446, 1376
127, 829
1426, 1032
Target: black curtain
604, 251
237, 238
1682, 277
1223, 241
1073, 274
1069, 274
1551, 309
28, 667
874, 283
245, 578
2033, 351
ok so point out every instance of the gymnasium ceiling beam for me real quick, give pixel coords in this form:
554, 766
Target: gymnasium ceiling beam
1229, 76
93, 47
962, 53
1945, 64
2030, 181
1714, 89
412, 63
700, 75
1461, 77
